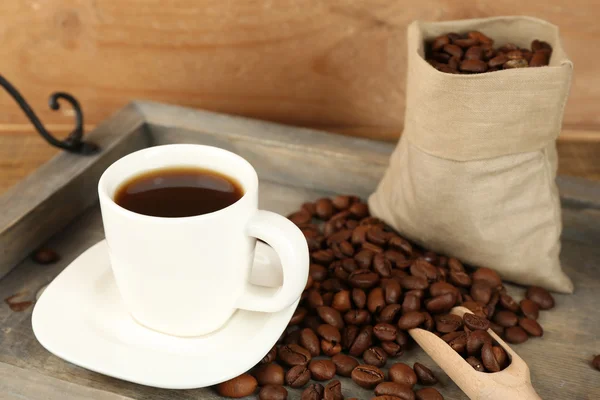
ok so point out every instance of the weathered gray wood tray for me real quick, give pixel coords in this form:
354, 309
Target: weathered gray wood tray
58, 204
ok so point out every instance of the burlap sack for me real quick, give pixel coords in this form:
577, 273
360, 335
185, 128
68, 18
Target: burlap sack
473, 173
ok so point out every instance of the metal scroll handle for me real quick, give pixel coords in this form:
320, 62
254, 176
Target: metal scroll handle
73, 142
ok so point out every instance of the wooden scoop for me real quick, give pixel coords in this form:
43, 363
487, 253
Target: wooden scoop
512, 383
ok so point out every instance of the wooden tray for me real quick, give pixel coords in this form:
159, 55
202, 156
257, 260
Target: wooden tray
58, 204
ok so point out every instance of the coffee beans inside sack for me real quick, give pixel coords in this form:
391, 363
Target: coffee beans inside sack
472, 176
367, 286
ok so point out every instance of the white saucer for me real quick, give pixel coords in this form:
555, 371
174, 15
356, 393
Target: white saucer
80, 317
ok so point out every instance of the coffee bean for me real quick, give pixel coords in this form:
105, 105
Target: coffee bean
459, 344
389, 313
339, 237
440, 288
359, 210
475, 308
344, 364
342, 202
460, 278
371, 247
473, 322
474, 53
375, 356
293, 354
473, 66
487, 275
424, 374
489, 359
292, 337
429, 323
375, 300
393, 391
439, 42
341, 301
530, 309
596, 362
330, 333
465, 43
476, 340
367, 376
317, 272
357, 317
448, 337
541, 297
531, 326
300, 217
273, 392
411, 320
363, 341
324, 209
332, 285
539, 59
321, 370
363, 279
391, 291
481, 292
298, 316
515, 335
398, 243
45, 256
270, 356
441, 303
403, 339
403, 374
453, 50
509, 303
297, 376
475, 363
314, 299
395, 257
331, 316
349, 265
382, 265
414, 282
538, 45
500, 355
313, 392
384, 331
428, 394
392, 349
333, 391
330, 348
269, 374
309, 340
412, 302
349, 334
506, 319
241, 386
448, 323
424, 269
359, 298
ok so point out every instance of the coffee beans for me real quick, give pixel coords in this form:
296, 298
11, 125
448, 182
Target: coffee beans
367, 376
596, 362
241, 386
269, 374
293, 355
403, 374
344, 365
273, 392
297, 376
45, 256
424, 375
333, 391
395, 390
428, 394
368, 286
541, 297
473, 52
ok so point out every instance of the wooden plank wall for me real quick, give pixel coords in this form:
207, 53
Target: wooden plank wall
337, 65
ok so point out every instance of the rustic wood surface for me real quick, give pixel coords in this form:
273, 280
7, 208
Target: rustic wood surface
328, 64
296, 165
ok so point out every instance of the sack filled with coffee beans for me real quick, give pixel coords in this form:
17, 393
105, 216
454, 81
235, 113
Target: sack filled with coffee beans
473, 173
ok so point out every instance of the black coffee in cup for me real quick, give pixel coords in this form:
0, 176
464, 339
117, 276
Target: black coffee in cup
178, 192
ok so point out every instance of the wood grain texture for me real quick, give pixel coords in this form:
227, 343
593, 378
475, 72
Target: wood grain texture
48, 199
295, 165
331, 64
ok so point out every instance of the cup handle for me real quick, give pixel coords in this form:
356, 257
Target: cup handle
290, 245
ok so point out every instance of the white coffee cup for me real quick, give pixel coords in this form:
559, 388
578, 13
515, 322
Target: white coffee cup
187, 276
